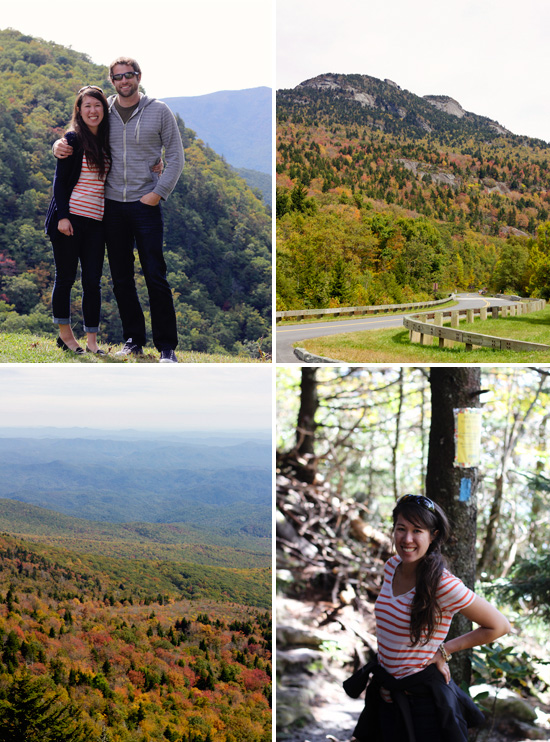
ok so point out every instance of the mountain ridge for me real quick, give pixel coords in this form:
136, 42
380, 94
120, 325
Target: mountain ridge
387, 97
386, 197
235, 123
168, 541
224, 487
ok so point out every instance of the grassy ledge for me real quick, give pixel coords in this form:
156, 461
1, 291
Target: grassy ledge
27, 348
393, 346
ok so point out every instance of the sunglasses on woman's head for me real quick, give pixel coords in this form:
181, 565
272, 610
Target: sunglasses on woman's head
89, 87
418, 500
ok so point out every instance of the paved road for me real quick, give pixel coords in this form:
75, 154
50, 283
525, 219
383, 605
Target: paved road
288, 335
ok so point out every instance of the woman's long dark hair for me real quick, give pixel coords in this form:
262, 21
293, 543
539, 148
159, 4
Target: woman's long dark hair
96, 146
425, 610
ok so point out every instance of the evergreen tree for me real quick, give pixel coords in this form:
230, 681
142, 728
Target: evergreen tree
30, 713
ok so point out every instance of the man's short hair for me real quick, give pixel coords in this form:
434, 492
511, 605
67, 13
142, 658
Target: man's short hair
127, 61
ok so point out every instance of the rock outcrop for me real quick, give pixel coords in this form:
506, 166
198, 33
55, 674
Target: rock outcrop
444, 103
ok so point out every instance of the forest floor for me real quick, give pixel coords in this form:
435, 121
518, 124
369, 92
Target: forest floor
332, 714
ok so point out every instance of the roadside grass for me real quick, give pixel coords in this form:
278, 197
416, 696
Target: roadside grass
393, 346
366, 315
27, 348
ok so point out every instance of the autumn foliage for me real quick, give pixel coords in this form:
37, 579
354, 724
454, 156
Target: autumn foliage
153, 668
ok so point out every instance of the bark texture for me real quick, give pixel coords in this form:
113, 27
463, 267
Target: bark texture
309, 401
453, 388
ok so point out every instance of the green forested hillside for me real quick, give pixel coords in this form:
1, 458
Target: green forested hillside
137, 650
386, 197
218, 232
247, 548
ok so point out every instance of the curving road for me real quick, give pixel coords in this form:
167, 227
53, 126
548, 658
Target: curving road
289, 335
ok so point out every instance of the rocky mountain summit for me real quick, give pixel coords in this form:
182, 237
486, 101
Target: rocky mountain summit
394, 106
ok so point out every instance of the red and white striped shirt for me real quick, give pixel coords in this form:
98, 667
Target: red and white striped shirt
393, 616
88, 196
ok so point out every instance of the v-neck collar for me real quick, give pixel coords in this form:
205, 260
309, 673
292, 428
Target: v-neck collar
393, 595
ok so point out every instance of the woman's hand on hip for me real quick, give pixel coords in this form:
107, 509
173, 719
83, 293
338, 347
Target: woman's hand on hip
442, 666
65, 227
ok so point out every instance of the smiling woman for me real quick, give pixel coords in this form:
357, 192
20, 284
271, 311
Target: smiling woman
74, 222
418, 599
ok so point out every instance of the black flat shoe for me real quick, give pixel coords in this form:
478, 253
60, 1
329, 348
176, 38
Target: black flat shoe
98, 352
60, 344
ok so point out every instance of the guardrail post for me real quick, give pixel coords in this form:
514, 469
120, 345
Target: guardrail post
494, 312
469, 316
483, 313
455, 319
438, 320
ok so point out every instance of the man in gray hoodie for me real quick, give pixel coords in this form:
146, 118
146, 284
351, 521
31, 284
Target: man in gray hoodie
140, 127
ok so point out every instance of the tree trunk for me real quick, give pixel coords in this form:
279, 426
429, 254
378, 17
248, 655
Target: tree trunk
395, 447
309, 402
454, 488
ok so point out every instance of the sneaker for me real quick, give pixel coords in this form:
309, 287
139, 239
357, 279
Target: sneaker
167, 356
130, 349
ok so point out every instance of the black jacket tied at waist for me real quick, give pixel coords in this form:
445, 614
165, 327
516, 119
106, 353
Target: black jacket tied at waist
455, 709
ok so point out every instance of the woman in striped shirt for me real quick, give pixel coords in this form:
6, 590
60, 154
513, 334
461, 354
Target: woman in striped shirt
75, 218
418, 599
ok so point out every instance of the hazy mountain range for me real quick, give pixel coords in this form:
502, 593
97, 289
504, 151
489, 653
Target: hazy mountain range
235, 123
221, 486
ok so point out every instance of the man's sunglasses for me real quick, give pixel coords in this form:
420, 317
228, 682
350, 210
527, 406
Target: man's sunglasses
418, 500
127, 75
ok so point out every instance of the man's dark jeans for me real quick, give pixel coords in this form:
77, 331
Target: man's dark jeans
134, 223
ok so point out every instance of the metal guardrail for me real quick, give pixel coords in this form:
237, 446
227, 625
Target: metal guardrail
424, 332
374, 309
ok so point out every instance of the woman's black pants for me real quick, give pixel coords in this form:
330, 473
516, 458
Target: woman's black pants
86, 245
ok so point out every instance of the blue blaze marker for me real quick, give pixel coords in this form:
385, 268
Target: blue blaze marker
465, 490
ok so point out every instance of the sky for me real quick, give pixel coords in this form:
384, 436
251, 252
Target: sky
492, 56
137, 396
184, 49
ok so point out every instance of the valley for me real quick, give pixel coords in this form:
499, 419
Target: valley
135, 582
